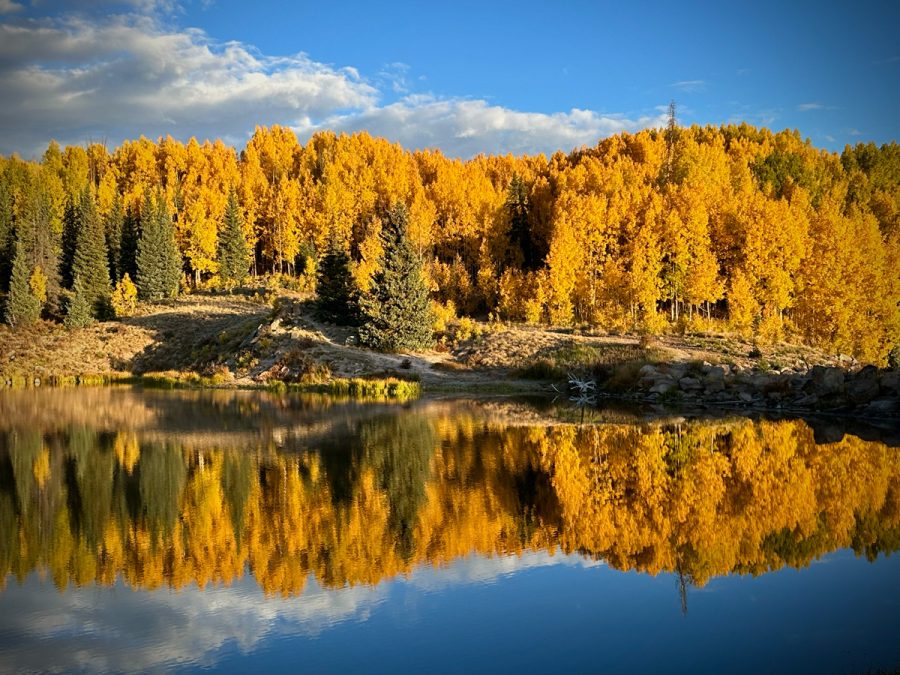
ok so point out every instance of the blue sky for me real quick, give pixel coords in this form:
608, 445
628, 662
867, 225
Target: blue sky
467, 77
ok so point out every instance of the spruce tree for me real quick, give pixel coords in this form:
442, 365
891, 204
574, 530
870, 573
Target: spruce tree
90, 264
128, 242
234, 255
7, 234
113, 226
337, 297
397, 311
80, 311
22, 307
71, 227
158, 260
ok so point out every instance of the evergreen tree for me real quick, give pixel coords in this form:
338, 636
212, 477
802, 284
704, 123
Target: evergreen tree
22, 307
128, 242
7, 234
90, 264
519, 228
36, 231
158, 260
71, 227
113, 227
234, 255
397, 312
80, 311
337, 297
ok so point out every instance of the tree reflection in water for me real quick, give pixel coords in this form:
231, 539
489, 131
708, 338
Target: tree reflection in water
204, 488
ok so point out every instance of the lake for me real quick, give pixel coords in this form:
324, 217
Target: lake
146, 530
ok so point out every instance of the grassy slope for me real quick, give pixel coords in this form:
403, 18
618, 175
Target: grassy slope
236, 340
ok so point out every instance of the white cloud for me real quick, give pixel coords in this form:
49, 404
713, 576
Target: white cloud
74, 80
804, 107
9, 7
119, 629
464, 127
689, 86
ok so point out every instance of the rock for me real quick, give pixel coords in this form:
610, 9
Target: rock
807, 401
689, 384
648, 371
826, 381
745, 396
676, 372
883, 406
863, 386
662, 387
890, 381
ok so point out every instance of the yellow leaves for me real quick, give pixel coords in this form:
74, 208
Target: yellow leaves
124, 298
38, 284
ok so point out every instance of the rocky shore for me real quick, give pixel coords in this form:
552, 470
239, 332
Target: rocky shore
866, 392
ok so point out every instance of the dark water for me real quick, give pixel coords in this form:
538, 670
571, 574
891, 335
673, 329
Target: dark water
144, 531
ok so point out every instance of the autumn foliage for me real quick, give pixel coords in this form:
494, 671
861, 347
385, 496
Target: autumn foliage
727, 227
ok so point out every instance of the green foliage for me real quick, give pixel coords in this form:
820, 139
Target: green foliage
22, 307
128, 243
781, 169
80, 311
90, 264
158, 260
397, 311
519, 227
113, 227
234, 255
71, 226
337, 297
7, 234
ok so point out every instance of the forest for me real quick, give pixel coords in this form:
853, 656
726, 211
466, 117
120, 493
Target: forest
730, 228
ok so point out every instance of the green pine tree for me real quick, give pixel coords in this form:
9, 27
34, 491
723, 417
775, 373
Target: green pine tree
7, 234
337, 297
22, 307
113, 226
128, 242
158, 260
234, 255
80, 311
397, 311
90, 263
71, 228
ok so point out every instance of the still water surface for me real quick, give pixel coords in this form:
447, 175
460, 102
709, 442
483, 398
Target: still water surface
147, 530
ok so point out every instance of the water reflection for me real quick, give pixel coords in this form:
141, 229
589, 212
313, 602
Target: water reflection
169, 490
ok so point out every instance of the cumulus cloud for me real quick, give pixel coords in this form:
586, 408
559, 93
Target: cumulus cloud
464, 127
74, 80
77, 79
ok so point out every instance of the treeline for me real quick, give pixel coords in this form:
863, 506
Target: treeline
727, 227
406, 490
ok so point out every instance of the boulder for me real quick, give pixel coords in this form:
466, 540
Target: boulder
863, 386
826, 381
745, 396
689, 384
883, 406
648, 371
662, 386
890, 382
